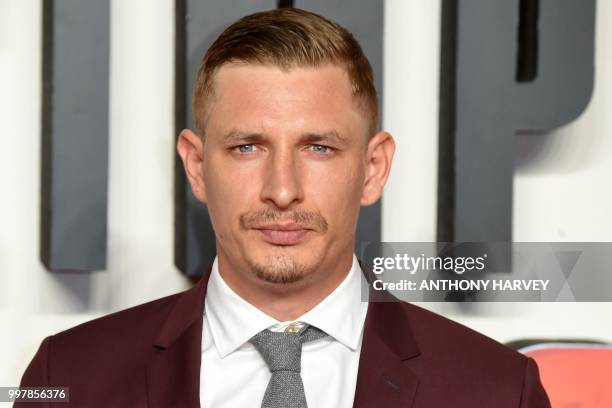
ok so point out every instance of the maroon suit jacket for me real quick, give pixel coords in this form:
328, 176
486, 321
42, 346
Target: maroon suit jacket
149, 356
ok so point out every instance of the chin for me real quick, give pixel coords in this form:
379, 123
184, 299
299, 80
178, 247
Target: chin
281, 268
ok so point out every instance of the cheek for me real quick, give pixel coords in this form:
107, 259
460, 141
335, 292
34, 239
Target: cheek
229, 193
336, 192
226, 181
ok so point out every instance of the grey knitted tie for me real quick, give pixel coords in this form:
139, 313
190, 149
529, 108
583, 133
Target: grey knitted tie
283, 354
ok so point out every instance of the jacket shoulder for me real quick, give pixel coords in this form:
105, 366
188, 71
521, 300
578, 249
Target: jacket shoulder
466, 364
115, 344
435, 332
143, 319
463, 359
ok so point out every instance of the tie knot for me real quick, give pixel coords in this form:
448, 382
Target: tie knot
283, 351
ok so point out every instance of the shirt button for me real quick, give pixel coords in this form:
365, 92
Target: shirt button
292, 328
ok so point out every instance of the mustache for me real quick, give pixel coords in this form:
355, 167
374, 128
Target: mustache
307, 219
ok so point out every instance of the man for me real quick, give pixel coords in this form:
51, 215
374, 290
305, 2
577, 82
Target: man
286, 151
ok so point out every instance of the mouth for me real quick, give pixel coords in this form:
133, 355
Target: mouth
283, 234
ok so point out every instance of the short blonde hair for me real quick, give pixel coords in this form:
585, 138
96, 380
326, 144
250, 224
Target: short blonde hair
287, 38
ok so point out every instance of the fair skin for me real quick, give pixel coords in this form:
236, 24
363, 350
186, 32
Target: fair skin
284, 166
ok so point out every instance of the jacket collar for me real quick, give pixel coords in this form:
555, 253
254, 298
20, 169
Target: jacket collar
173, 373
383, 378
187, 310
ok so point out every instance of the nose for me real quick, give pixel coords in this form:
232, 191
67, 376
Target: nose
282, 185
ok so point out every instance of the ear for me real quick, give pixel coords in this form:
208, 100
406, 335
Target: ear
379, 156
191, 149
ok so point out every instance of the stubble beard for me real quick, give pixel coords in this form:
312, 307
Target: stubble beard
280, 269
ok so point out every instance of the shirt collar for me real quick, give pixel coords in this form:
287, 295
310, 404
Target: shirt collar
233, 321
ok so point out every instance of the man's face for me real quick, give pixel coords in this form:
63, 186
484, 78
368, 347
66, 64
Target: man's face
284, 163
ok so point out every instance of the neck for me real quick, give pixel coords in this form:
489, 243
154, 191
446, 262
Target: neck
285, 302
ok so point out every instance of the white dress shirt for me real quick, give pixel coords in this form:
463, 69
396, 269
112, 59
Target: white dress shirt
233, 374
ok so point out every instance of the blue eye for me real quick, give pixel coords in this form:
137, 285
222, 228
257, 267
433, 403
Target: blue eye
320, 148
247, 148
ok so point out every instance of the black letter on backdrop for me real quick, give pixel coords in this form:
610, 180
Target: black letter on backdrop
506, 66
74, 134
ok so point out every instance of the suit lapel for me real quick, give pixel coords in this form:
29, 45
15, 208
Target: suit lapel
383, 379
173, 373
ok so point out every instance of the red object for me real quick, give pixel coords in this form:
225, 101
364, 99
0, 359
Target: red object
575, 375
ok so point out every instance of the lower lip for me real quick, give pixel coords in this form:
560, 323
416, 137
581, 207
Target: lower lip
282, 237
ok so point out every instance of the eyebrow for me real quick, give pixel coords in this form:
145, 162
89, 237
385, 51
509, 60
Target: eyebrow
332, 136
236, 136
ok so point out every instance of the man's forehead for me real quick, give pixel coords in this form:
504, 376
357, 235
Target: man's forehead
248, 73
251, 88
266, 99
